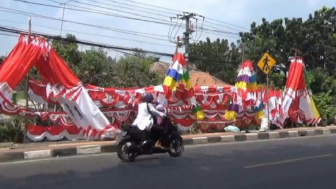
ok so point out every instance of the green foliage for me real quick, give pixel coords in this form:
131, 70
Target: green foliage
325, 105
68, 49
277, 81
2, 58
219, 58
321, 81
7, 133
134, 71
11, 131
314, 38
324, 87
95, 67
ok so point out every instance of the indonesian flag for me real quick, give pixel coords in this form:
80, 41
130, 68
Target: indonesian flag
297, 103
63, 85
178, 75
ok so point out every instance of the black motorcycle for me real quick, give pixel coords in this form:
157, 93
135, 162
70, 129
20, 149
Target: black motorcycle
134, 142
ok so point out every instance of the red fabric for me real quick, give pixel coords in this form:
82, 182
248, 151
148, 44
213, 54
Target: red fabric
180, 58
296, 80
51, 67
55, 71
72, 130
36, 130
247, 63
55, 130
19, 61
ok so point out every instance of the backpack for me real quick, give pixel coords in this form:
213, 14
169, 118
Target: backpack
153, 116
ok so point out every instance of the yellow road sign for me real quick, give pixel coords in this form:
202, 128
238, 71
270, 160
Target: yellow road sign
266, 63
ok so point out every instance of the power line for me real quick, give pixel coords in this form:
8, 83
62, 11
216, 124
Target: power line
211, 31
141, 34
118, 10
83, 42
12, 30
85, 9
175, 10
169, 13
162, 10
228, 23
91, 34
164, 22
8, 34
132, 8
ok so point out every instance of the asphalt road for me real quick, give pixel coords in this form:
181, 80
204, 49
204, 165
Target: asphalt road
306, 163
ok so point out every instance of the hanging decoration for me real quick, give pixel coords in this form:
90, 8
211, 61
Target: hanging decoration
95, 112
244, 95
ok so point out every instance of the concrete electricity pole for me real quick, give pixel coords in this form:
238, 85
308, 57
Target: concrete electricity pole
63, 14
187, 16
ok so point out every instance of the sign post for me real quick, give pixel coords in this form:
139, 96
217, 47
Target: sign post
266, 64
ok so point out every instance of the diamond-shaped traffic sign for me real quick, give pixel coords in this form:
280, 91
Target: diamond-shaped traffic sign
266, 63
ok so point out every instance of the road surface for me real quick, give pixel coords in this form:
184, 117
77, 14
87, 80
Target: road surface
306, 163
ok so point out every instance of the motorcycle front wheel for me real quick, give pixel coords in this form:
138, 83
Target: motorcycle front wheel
124, 151
176, 147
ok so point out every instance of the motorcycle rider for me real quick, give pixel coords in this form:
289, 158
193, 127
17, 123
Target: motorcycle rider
146, 115
158, 128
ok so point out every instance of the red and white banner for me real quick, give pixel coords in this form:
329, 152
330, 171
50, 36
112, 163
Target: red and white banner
63, 85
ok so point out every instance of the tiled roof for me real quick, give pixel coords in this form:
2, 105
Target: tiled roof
205, 79
197, 77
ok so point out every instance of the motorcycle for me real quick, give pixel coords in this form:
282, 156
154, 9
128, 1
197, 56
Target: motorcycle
134, 142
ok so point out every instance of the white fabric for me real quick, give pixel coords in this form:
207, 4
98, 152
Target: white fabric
36, 138
6, 90
84, 112
264, 124
245, 71
307, 108
36, 98
178, 67
144, 118
288, 99
272, 103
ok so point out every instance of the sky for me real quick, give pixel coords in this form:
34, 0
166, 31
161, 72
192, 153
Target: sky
222, 19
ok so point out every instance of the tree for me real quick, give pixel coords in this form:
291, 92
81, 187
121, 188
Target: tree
314, 38
324, 90
94, 67
219, 58
133, 71
67, 49
2, 58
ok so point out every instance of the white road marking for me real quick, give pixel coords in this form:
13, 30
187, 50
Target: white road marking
288, 161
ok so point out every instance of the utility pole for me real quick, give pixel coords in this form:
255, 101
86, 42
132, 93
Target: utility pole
27, 87
187, 16
63, 15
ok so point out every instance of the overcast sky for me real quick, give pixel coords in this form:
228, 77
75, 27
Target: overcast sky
235, 15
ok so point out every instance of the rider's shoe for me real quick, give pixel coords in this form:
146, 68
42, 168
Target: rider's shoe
159, 145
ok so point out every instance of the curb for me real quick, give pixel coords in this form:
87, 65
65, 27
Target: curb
110, 148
